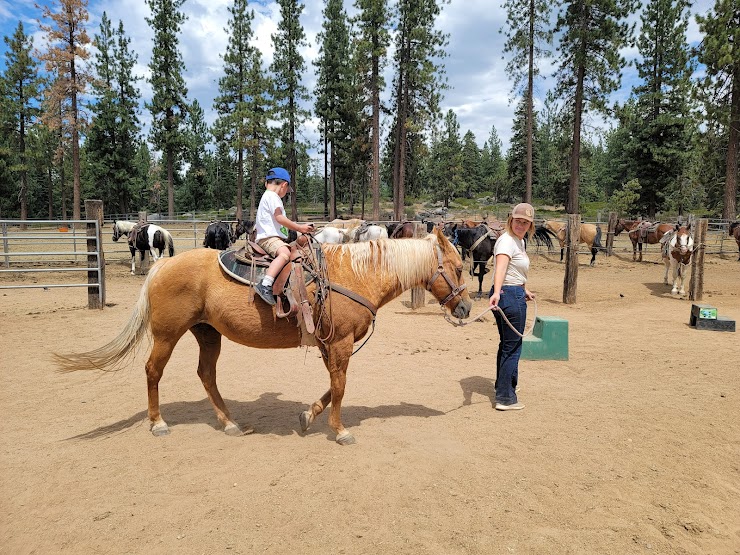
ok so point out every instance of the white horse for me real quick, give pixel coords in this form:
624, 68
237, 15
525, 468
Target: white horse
148, 238
678, 245
331, 235
367, 233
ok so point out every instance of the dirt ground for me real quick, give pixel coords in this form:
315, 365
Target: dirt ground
631, 446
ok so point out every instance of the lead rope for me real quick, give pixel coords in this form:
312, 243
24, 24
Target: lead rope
460, 323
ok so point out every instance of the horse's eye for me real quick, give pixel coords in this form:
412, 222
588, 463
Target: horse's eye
458, 271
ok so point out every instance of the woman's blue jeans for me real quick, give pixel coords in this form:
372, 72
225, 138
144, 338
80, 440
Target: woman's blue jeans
514, 306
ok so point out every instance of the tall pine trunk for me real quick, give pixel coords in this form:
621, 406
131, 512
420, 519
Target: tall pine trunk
240, 181
575, 155
728, 211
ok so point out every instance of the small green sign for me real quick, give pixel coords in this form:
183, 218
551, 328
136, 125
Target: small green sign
708, 313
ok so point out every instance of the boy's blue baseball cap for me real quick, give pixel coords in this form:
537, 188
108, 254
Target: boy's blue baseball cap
279, 173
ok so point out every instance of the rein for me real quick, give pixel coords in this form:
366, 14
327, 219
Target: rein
460, 323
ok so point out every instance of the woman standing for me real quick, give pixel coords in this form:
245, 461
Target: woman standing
509, 296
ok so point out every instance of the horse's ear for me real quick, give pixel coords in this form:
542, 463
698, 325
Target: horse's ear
678, 226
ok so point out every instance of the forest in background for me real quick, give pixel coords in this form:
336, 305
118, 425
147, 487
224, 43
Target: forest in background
70, 114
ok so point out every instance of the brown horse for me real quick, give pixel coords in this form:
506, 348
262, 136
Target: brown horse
735, 232
191, 292
643, 232
590, 235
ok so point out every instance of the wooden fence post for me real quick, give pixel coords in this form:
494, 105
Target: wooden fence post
696, 288
572, 240
94, 211
610, 233
417, 293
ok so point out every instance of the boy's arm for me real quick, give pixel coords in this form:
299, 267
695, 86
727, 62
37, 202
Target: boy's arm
282, 219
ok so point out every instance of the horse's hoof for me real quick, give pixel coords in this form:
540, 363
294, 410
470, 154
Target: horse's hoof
160, 430
305, 418
346, 438
235, 431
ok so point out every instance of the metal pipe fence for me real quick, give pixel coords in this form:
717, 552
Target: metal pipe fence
50, 247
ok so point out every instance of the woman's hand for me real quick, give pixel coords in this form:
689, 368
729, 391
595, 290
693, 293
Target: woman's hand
528, 295
493, 300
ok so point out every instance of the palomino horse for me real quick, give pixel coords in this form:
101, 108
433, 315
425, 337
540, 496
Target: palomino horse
642, 232
192, 292
144, 237
735, 232
677, 247
590, 235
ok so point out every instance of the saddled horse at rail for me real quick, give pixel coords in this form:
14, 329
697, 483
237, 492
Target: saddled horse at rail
478, 242
191, 292
676, 250
641, 231
735, 232
144, 237
590, 235
331, 235
220, 235
401, 230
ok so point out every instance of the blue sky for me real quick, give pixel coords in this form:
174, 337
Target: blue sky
480, 89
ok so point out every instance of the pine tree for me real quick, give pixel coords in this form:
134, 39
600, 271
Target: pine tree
372, 22
662, 127
287, 69
243, 104
493, 165
517, 163
20, 89
195, 186
333, 89
527, 31
169, 106
113, 138
472, 169
593, 32
418, 84
720, 52
67, 42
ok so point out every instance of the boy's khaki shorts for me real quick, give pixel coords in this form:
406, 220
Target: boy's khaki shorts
271, 245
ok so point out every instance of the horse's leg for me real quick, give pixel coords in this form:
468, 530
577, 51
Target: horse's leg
336, 360
141, 262
307, 417
667, 263
161, 351
634, 249
481, 273
209, 341
640, 248
133, 262
562, 252
594, 250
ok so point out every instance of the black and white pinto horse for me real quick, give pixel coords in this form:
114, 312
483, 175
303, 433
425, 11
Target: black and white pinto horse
478, 242
220, 235
677, 247
144, 237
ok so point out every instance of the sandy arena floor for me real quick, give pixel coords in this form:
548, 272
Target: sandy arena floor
632, 446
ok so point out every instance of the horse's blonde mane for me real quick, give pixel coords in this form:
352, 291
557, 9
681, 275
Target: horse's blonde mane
410, 261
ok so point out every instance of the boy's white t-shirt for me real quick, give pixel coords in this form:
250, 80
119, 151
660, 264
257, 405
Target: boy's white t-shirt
518, 268
266, 224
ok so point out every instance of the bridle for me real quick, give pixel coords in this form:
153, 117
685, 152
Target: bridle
455, 289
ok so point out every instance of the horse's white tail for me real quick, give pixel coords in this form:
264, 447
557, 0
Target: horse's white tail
111, 357
170, 242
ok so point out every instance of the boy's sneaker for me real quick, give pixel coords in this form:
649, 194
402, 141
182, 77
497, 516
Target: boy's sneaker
265, 293
515, 406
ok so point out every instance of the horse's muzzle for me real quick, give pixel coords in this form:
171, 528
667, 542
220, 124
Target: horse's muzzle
462, 310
